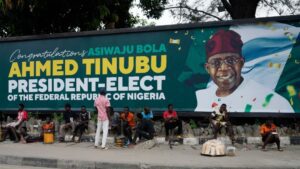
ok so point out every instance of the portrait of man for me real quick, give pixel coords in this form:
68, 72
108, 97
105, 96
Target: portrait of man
224, 62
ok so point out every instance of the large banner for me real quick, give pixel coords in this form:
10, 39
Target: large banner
249, 67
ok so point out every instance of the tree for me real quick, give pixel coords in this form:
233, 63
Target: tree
207, 10
26, 17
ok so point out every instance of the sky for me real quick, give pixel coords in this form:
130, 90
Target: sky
168, 19
165, 19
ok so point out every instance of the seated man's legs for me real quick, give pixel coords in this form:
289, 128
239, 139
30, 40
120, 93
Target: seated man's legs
128, 133
270, 139
23, 134
172, 125
229, 131
216, 129
277, 141
81, 130
14, 133
179, 124
62, 129
76, 130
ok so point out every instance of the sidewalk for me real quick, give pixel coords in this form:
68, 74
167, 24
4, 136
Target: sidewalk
85, 156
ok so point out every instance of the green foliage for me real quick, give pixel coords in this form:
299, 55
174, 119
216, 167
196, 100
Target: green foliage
153, 8
22, 17
208, 10
58, 117
33, 115
94, 116
193, 124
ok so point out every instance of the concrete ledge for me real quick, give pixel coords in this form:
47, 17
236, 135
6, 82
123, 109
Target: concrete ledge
295, 140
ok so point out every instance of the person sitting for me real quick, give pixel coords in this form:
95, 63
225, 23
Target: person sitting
171, 121
48, 127
17, 127
82, 125
69, 118
269, 135
144, 129
147, 114
115, 121
128, 123
218, 119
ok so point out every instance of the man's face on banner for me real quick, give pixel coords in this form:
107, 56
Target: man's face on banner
225, 71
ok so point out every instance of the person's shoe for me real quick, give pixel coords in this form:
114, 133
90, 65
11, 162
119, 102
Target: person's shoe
104, 148
95, 147
167, 138
280, 149
61, 139
263, 149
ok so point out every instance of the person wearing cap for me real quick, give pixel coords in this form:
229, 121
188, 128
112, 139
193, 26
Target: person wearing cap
224, 63
269, 135
15, 127
102, 105
218, 119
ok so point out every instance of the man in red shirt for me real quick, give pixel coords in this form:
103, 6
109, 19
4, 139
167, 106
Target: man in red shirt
15, 126
171, 121
269, 135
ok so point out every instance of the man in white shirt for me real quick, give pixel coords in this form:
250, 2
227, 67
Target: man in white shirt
224, 63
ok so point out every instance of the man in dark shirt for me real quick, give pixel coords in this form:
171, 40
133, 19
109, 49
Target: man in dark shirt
218, 119
144, 129
83, 123
69, 118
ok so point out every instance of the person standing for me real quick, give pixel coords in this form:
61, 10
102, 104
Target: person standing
102, 105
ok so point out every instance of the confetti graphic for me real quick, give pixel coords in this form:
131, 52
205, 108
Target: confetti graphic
274, 65
248, 108
267, 100
290, 37
297, 62
186, 33
291, 101
291, 90
174, 41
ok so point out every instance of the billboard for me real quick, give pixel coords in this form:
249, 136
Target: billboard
251, 67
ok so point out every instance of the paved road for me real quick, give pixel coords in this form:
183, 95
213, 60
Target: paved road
3, 166
180, 156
